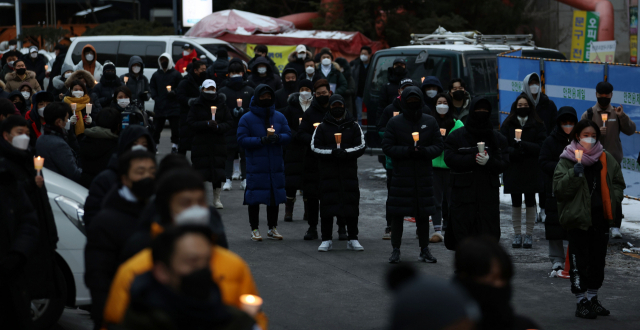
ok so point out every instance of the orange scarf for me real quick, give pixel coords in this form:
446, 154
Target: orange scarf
81, 103
604, 189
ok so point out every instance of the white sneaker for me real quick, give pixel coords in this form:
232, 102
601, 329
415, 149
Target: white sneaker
236, 175
354, 245
274, 234
227, 185
325, 246
615, 233
542, 215
243, 184
255, 235
216, 199
557, 266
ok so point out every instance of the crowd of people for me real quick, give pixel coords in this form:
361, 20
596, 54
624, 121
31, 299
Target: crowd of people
156, 247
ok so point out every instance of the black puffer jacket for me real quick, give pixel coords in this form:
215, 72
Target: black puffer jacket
294, 152
339, 189
389, 91
283, 93
108, 178
315, 114
411, 188
37, 65
475, 189
188, 88
550, 152
209, 151
218, 70
548, 111
104, 90
166, 103
22, 105
234, 90
139, 85
272, 79
97, 146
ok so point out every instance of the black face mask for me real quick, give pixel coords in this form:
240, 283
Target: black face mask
399, 71
290, 85
481, 116
414, 106
164, 65
143, 189
210, 96
604, 101
523, 112
198, 284
458, 95
323, 99
21, 71
337, 112
493, 302
266, 103
235, 80
110, 75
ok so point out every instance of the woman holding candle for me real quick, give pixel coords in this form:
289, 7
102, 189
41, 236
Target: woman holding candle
78, 100
188, 92
209, 119
162, 89
131, 114
525, 132
588, 192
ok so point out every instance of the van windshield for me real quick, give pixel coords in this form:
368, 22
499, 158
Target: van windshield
436, 65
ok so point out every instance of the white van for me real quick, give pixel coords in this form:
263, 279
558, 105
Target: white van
118, 50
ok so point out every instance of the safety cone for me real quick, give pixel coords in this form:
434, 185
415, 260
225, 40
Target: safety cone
567, 265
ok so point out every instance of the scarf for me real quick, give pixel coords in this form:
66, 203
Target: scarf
81, 103
589, 157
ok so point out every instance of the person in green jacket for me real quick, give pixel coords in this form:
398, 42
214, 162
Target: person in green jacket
588, 190
441, 187
327, 69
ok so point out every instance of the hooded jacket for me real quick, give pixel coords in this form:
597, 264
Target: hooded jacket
88, 78
13, 81
186, 60
272, 79
411, 188
22, 106
33, 119
390, 91
431, 81
139, 85
58, 82
475, 188
97, 147
94, 67
108, 178
315, 114
36, 65
265, 165
272, 64
234, 90
294, 152
58, 155
546, 109
166, 103
105, 88
188, 89
296, 63
219, 69
550, 152
339, 188
283, 93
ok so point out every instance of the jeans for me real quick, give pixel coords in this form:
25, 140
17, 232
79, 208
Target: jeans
327, 227
228, 165
174, 123
272, 214
359, 109
397, 226
441, 192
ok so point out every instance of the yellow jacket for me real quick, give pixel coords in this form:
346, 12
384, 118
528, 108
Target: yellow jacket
230, 272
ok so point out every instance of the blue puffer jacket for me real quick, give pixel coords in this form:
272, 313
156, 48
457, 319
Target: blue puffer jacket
265, 165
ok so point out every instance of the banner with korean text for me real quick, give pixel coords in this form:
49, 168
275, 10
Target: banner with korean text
584, 31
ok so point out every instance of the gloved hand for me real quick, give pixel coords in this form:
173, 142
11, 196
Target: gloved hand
482, 159
87, 119
273, 138
212, 123
142, 96
339, 153
421, 150
73, 119
237, 112
192, 100
264, 140
413, 152
578, 169
172, 96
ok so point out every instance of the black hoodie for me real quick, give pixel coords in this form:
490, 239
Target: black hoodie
283, 93
272, 79
22, 105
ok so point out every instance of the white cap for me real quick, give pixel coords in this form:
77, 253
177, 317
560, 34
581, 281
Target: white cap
301, 49
203, 56
208, 83
33, 49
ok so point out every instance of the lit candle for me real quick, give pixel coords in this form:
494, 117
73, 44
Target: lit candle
338, 139
443, 131
395, 113
481, 147
38, 163
579, 155
250, 304
168, 88
239, 101
213, 112
126, 79
95, 82
518, 134
270, 131
604, 117
46, 68
73, 106
88, 107
299, 120
184, 69
416, 137
315, 125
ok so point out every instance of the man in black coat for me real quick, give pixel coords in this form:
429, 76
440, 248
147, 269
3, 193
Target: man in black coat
162, 88
396, 73
263, 73
98, 144
263, 51
108, 83
550, 152
338, 164
37, 63
137, 82
235, 89
475, 176
359, 68
115, 223
219, 69
289, 86
188, 92
411, 189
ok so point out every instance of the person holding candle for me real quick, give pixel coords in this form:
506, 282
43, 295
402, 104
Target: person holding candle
162, 88
550, 152
588, 191
209, 119
617, 122
137, 82
522, 175
80, 98
263, 132
475, 176
109, 81
130, 112
289, 86
411, 191
338, 142
99, 144
189, 92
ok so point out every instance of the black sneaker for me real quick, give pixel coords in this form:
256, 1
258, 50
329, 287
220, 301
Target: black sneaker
395, 256
425, 255
311, 234
517, 241
342, 234
584, 310
174, 150
598, 308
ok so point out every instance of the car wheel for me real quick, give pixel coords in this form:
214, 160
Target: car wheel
46, 312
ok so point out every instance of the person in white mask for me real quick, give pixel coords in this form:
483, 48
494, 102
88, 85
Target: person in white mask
589, 188
297, 58
431, 87
137, 82
337, 81
263, 73
9, 58
89, 62
359, 68
35, 116
59, 88
37, 63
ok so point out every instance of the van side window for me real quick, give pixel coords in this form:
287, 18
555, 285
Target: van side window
479, 76
493, 74
149, 51
107, 51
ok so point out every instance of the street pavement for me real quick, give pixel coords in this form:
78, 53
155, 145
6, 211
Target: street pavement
305, 289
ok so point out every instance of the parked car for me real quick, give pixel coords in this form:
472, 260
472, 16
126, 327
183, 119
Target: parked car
67, 202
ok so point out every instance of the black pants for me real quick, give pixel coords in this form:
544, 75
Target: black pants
232, 153
397, 225
442, 195
313, 211
618, 216
291, 193
529, 200
587, 253
174, 123
327, 227
542, 199
389, 177
15, 310
272, 214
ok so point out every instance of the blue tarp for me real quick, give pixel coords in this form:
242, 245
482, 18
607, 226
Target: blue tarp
511, 73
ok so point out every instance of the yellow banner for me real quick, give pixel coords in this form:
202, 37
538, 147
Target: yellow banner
578, 35
278, 54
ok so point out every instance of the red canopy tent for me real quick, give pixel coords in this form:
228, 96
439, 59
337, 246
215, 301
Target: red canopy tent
238, 22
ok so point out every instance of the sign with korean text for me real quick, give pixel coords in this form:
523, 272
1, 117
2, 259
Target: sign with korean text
584, 32
279, 54
602, 51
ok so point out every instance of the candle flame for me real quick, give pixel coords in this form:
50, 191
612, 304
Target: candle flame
251, 299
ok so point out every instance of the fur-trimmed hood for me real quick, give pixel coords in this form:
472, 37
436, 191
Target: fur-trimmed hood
14, 76
293, 56
334, 64
88, 78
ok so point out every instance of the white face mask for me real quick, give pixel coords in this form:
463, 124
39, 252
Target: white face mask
534, 89
138, 147
67, 75
34, 55
262, 70
77, 94
21, 141
25, 94
186, 52
302, 56
364, 58
567, 128
305, 95
12, 47
442, 108
588, 143
41, 112
67, 125
89, 57
123, 103
235, 75
326, 61
309, 70
135, 69
432, 93
194, 215
11, 63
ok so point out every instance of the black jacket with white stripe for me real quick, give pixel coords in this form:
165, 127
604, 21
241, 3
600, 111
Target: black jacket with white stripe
339, 189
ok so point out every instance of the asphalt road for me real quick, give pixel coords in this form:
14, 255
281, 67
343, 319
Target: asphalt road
341, 289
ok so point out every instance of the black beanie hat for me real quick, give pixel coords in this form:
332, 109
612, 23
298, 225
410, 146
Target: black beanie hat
604, 87
325, 51
305, 83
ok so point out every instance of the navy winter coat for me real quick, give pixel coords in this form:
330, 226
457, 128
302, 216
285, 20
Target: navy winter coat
265, 165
